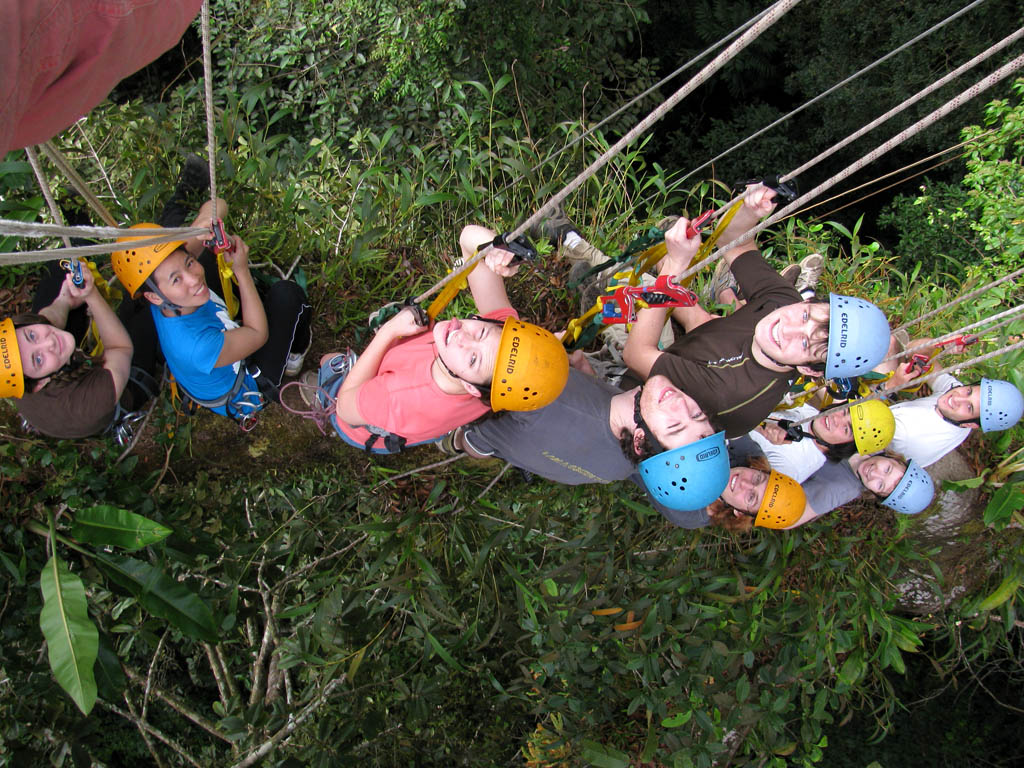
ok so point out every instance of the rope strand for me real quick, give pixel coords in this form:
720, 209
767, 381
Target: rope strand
44, 187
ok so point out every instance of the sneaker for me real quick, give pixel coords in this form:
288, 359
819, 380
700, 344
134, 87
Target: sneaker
293, 364
446, 444
791, 273
722, 279
194, 177
811, 268
667, 223
310, 381
554, 226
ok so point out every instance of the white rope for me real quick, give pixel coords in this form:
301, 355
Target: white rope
960, 299
211, 145
33, 257
41, 229
1006, 316
770, 17
957, 101
58, 159
44, 186
836, 87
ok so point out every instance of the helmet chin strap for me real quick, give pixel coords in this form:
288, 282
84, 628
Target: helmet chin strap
961, 422
484, 389
167, 303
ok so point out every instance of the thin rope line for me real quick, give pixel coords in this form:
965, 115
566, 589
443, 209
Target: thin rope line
44, 186
927, 91
960, 299
1007, 314
40, 229
770, 17
33, 257
593, 129
58, 159
835, 87
915, 382
981, 86
211, 146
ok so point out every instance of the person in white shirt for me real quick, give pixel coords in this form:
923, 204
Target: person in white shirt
930, 427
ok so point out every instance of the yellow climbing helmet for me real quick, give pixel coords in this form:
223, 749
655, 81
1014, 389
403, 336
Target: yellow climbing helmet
133, 266
531, 368
873, 426
783, 502
12, 375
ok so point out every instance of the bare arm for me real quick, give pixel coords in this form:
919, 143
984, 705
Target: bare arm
758, 202
487, 284
117, 345
241, 342
204, 218
401, 325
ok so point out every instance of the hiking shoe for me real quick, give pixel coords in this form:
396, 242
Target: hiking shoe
722, 279
811, 268
310, 381
554, 226
194, 177
293, 364
667, 223
791, 273
447, 444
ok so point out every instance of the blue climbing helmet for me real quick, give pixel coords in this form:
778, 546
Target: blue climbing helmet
858, 336
1002, 405
690, 477
913, 493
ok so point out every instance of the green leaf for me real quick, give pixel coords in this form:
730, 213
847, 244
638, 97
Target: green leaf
604, 757
1003, 504
71, 638
959, 485
110, 526
161, 595
678, 719
852, 669
1003, 593
443, 653
110, 680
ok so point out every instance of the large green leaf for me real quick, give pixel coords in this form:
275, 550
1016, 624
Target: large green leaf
71, 637
110, 680
110, 526
1004, 503
161, 595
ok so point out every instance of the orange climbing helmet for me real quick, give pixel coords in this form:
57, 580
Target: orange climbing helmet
134, 266
783, 502
873, 426
531, 368
12, 375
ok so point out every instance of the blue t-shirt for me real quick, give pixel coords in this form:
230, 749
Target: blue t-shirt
191, 345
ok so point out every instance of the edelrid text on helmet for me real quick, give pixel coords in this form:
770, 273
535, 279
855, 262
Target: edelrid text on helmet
1001, 405
531, 368
913, 493
134, 266
690, 477
12, 376
858, 336
783, 502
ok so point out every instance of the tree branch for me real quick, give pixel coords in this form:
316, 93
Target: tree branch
178, 706
142, 725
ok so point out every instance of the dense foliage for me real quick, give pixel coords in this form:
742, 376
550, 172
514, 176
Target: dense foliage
293, 600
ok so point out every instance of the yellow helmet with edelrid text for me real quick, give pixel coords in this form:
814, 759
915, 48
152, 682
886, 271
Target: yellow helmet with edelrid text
783, 502
873, 426
530, 370
12, 375
133, 266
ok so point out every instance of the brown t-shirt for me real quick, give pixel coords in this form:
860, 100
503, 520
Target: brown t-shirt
714, 363
67, 410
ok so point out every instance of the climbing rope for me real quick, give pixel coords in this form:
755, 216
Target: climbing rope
772, 14
44, 186
982, 85
62, 164
961, 299
1006, 316
836, 87
917, 382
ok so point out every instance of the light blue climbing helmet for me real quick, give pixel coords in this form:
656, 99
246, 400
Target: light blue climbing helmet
1002, 405
858, 336
690, 477
913, 493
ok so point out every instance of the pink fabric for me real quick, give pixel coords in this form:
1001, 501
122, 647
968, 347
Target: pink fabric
403, 397
60, 58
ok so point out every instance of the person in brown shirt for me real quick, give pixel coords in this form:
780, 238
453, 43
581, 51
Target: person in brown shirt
739, 367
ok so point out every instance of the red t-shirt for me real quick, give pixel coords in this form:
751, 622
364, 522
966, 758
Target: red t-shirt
403, 397
60, 58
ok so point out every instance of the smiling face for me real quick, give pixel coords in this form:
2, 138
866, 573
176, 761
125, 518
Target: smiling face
673, 416
796, 334
833, 428
181, 279
961, 404
745, 489
881, 474
468, 348
44, 349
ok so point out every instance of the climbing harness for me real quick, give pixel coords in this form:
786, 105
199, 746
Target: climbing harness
233, 401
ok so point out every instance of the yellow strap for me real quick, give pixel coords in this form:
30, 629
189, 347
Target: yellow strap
707, 246
450, 291
226, 278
